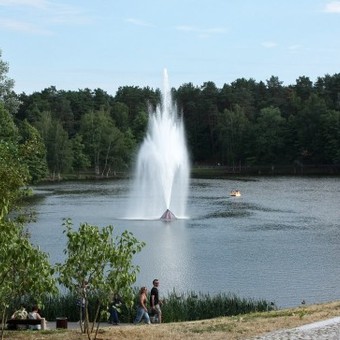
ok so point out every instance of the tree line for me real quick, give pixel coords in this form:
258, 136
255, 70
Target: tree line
244, 123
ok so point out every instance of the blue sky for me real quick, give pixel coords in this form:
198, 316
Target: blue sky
111, 43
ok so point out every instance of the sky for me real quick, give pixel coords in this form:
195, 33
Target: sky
108, 44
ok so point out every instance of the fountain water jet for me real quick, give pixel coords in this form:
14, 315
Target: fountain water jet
162, 170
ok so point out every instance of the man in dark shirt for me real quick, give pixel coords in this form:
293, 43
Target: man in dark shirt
155, 303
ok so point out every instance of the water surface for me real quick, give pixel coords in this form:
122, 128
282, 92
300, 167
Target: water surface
279, 241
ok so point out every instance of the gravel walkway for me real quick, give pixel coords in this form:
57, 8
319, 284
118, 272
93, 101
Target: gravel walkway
322, 330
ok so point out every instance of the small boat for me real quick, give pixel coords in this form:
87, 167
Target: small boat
235, 193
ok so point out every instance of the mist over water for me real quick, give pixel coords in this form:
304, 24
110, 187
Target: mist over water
162, 171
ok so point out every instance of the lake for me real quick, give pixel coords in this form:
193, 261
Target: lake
279, 241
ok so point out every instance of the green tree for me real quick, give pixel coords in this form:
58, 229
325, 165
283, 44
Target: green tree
14, 174
8, 129
187, 97
209, 114
63, 113
269, 141
330, 136
58, 145
275, 90
241, 93
232, 127
304, 88
328, 87
99, 264
139, 125
137, 102
33, 151
81, 102
21, 263
120, 114
80, 159
308, 130
60, 155
7, 95
101, 100
104, 142
25, 272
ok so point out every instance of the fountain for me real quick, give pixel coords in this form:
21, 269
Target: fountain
161, 180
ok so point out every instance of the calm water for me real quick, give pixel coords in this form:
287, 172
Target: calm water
279, 241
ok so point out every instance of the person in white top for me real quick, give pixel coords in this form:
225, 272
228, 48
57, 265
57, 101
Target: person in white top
34, 314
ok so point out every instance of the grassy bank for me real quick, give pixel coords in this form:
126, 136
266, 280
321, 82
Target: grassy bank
231, 328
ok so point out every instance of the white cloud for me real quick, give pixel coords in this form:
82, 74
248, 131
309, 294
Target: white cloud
202, 32
45, 11
294, 47
138, 22
27, 3
20, 26
332, 7
269, 44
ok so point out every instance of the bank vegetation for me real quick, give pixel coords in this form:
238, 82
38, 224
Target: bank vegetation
231, 328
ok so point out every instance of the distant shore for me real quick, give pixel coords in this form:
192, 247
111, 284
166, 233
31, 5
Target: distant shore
218, 171
221, 171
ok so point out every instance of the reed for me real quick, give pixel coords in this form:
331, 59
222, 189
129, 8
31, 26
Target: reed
176, 307
192, 306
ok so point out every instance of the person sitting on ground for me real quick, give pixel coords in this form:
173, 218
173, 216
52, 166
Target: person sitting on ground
34, 315
142, 311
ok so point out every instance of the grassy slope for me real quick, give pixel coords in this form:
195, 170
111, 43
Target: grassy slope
231, 328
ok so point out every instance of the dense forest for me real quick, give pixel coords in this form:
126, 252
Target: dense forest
243, 124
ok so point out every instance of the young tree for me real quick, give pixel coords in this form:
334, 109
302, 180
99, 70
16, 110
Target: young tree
33, 151
25, 271
98, 264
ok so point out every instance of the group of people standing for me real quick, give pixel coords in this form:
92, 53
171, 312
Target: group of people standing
155, 304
